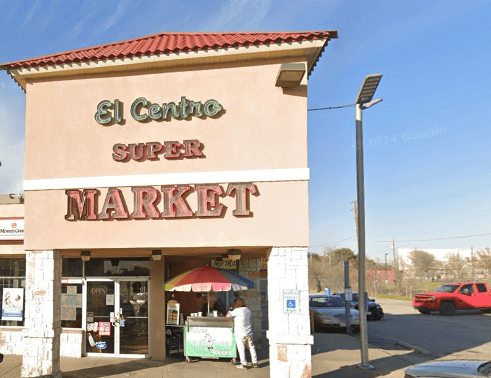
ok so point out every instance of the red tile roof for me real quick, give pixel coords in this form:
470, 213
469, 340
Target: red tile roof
169, 43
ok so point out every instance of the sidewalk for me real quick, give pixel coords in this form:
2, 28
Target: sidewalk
337, 356
333, 355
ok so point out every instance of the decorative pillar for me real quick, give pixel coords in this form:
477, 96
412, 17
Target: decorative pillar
250, 268
289, 329
42, 324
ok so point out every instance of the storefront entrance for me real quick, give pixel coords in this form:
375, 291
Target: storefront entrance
117, 317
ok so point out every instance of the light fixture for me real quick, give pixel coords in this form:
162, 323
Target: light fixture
114, 262
290, 75
368, 89
234, 254
85, 255
156, 254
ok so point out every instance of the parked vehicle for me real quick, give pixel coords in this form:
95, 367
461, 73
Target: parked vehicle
329, 311
455, 369
452, 296
375, 311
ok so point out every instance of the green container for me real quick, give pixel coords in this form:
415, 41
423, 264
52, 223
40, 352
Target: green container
209, 337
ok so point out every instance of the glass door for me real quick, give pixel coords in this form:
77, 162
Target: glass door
117, 317
133, 297
100, 335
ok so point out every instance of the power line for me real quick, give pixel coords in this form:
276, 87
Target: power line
421, 240
334, 242
331, 107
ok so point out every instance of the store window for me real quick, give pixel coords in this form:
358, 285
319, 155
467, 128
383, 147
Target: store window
12, 284
71, 305
112, 267
72, 268
71, 293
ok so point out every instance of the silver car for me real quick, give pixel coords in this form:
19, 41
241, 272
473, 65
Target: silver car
329, 311
455, 369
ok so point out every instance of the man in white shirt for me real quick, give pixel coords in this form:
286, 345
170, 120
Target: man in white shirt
243, 332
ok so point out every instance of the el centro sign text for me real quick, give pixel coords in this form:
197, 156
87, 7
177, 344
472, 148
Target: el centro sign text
142, 110
170, 201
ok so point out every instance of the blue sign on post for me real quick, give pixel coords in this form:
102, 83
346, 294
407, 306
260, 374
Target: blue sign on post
291, 301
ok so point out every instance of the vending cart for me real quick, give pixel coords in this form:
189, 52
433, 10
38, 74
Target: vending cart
209, 337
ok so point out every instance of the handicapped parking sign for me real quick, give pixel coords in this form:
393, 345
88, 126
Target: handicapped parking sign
291, 301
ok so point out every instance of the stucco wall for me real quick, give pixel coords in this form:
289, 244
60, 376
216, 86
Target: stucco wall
262, 127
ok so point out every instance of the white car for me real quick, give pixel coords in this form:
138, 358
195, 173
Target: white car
329, 311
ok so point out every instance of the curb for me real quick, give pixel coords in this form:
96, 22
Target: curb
415, 348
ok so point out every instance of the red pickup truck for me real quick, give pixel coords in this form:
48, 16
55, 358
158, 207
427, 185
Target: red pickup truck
452, 296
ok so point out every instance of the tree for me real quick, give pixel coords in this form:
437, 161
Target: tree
339, 255
456, 265
422, 261
484, 259
371, 264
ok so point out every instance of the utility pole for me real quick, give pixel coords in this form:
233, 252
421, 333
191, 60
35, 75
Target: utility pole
356, 218
472, 264
395, 263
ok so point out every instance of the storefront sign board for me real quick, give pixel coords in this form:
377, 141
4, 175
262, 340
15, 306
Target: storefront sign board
12, 229
224, 264
142, 110
82, 205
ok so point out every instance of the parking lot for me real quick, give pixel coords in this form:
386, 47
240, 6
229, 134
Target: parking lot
465, 335
405, 338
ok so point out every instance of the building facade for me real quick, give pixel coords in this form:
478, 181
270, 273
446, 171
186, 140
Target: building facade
146, 158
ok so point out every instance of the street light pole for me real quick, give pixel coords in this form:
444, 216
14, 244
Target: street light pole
363, 101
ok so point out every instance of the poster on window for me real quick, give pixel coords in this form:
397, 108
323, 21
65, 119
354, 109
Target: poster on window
104, 329
12, 303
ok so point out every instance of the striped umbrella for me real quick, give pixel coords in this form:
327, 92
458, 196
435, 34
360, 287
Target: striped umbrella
206, 279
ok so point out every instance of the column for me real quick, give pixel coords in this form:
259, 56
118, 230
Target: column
289, 333
250, 268
42, 325
157, 310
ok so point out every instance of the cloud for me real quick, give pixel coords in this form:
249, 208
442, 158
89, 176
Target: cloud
31, 14
79, 27
240, 15
114, 18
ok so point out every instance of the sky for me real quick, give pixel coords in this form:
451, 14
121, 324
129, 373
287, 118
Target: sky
427, 155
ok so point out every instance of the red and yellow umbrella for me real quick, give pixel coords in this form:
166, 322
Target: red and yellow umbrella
206, 279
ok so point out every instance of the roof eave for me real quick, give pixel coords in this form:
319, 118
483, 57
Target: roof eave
309, 49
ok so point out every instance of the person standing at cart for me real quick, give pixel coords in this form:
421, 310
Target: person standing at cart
214, 305
243, 332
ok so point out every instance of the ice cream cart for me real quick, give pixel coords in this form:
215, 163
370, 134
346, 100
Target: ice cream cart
209, 337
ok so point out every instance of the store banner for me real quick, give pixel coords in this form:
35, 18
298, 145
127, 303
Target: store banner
12, 304
12, 229
224, 264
